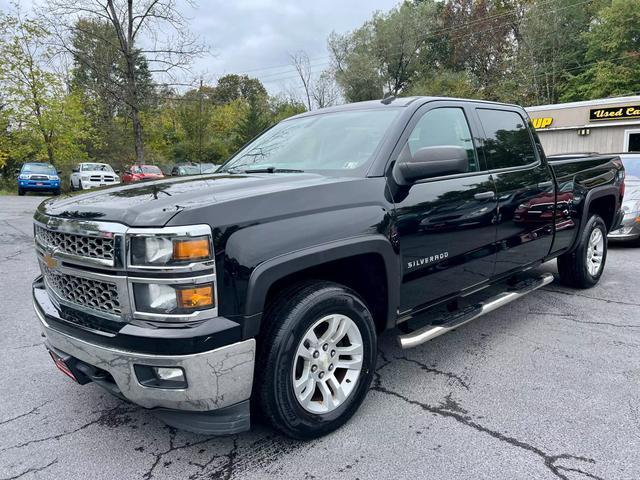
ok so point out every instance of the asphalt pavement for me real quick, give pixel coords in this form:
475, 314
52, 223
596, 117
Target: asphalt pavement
547, 387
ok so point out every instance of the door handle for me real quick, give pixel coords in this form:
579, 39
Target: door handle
485, 195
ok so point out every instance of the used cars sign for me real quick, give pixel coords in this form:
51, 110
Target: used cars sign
614, 113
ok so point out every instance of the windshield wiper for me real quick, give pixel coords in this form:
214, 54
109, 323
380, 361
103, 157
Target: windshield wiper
266, 169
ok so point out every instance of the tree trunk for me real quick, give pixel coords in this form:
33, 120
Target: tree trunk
137, 135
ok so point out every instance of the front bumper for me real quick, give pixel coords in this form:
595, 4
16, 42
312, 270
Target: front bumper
39, 184
219, 381
89, 184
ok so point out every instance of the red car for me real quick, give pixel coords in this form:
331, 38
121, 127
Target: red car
135, 173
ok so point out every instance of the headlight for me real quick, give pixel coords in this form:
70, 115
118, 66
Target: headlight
54, 177
173, 299
23, 177
160, 250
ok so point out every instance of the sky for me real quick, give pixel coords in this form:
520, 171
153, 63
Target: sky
256, 37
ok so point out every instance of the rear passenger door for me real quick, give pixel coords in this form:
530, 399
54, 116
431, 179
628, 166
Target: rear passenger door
445, 225
524, 187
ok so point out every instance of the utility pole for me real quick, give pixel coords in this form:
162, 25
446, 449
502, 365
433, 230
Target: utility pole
200, 127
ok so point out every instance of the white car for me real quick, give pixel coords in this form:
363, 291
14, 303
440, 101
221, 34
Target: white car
91, 175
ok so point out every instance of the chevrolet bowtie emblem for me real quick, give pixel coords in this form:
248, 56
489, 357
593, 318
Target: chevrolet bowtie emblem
49, 261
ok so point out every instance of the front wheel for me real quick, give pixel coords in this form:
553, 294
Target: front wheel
315, 359
21, 192
583, 267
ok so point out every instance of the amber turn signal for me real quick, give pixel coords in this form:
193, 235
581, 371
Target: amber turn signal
197, 297
191, 249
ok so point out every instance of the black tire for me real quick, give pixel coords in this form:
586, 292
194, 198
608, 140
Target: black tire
80, 185
572, 267
21, 192
286, 321
56, 192
73, 189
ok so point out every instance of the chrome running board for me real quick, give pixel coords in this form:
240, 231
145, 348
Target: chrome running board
456, 319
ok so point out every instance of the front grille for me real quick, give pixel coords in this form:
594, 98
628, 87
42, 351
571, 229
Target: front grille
38, 177
80, 245
89, 293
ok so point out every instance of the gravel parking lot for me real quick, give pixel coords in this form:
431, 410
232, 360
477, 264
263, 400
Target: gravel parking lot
547, 387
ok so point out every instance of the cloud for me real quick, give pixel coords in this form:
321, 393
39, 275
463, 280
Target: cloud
253, 36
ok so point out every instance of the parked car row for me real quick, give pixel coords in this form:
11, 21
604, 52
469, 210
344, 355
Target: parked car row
44, 177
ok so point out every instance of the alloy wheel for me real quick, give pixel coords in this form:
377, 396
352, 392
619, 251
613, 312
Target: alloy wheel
327, 363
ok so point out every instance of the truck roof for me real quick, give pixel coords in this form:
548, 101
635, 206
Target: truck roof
393, 102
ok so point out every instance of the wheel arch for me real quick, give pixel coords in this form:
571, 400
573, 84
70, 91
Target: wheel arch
307, 263
602, 200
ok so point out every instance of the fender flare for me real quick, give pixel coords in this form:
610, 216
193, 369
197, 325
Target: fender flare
270, 271
594, 194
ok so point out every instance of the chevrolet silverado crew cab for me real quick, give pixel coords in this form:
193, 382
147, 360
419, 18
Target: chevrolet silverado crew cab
263, 287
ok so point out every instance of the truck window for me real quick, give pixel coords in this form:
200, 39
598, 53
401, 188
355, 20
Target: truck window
444, 126
508, 142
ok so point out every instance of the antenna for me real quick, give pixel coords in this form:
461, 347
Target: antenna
388, 99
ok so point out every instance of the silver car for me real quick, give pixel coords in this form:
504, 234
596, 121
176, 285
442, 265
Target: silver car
630, 229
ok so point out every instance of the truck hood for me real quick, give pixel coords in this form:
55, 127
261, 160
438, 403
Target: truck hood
155, 203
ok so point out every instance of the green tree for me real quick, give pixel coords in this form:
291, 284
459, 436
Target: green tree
383, 55
28, 85
549, 47
159, 25
233, 87
612, 61
255, 119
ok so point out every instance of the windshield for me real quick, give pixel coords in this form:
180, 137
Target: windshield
631, 166
43, 168
96, 167
343, 141
151, 169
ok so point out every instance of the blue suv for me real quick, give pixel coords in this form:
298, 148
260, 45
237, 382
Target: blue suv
38, 177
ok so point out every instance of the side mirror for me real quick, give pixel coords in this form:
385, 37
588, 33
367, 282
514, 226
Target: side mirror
429, 162
76, 170
117, 172
60, 172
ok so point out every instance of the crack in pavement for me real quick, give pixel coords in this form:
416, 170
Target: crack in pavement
107, 417
445, 410
426, 368
31, 470
572, 293
22, 347
173, 448
573, 318
33, 410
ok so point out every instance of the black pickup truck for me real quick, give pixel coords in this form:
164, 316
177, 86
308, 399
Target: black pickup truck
266, 284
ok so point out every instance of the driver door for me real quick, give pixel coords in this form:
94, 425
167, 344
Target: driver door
446, 225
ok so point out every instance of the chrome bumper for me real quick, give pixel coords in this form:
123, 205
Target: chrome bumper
215, 379
629, 230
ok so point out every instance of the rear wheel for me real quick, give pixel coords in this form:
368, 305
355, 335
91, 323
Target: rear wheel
583, 267
315, 360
